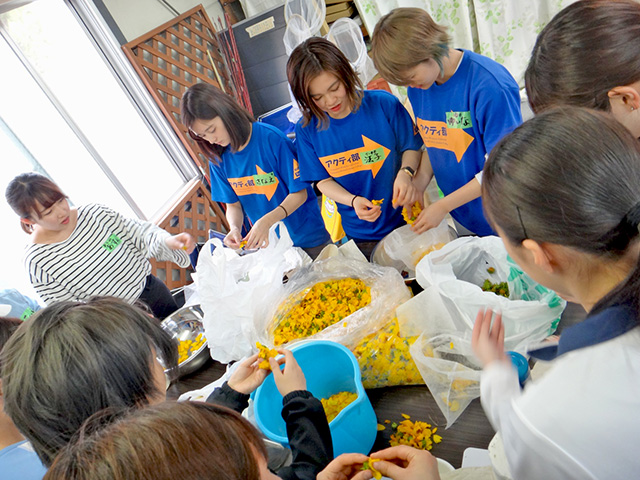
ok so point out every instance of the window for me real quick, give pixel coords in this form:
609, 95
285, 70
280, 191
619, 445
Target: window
73, 108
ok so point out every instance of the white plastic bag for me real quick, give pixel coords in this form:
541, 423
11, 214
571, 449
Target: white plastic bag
444, 313
233, 287
531, 312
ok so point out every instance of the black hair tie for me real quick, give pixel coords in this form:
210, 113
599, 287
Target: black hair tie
619, 238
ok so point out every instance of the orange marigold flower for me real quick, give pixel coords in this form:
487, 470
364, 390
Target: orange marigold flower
265, 353
415, 434
368, 465
319, 307
415, 211
336, 403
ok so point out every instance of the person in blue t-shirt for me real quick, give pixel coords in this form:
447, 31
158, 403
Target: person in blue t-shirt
253, 170
463, 103
17, 457
359, 146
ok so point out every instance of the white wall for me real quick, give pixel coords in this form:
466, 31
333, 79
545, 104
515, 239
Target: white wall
135, 18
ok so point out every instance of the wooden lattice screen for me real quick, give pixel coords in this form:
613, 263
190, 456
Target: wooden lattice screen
174, 56
193, 212
169, 59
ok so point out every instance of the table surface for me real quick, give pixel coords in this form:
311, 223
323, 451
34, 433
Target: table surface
471, 429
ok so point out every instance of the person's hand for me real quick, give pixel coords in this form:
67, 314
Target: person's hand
247, 375
430, 217
487, 341
405, 193
346, 467
406, 463
365, 210
258, 236
291, 378
182, 241
233, 238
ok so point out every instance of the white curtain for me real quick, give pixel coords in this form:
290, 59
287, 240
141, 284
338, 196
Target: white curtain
504, 30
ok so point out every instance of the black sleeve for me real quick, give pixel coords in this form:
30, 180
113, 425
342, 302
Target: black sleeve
228, 397
309, 436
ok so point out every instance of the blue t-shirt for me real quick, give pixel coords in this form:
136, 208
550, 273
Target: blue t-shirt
260, 177
20, 461
363, 153
460, 122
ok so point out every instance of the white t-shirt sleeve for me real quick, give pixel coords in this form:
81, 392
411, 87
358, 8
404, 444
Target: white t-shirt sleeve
479, 174
531, 454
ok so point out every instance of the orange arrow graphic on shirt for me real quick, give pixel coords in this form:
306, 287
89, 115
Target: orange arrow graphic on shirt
370, 156
296, 169
262, 183
438, 135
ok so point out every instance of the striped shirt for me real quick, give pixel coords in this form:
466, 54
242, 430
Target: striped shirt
106, 254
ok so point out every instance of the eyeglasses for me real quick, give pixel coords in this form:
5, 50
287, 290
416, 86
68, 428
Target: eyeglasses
197, 135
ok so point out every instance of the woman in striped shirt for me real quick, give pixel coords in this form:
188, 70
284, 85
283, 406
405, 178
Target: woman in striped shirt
77, 253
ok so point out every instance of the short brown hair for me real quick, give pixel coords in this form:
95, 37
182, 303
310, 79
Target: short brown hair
171, 440
404, 38
27, 190
308, 60
587, 49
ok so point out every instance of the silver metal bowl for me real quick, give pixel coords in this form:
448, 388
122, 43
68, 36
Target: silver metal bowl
186, 324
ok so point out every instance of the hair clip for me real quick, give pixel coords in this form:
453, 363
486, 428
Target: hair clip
524, 230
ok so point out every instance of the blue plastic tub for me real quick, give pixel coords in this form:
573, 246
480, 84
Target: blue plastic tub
329, 368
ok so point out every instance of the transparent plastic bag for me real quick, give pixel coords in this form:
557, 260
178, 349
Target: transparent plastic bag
232, 287
450, 370
445, 312
384, 358
410, 248
387, 291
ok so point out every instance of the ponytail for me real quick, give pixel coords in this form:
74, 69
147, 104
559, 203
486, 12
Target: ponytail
562, 70
628, 291
569, 177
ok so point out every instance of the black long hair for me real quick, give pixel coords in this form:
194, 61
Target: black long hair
569, 177
587, 49
203, 101
72, 359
